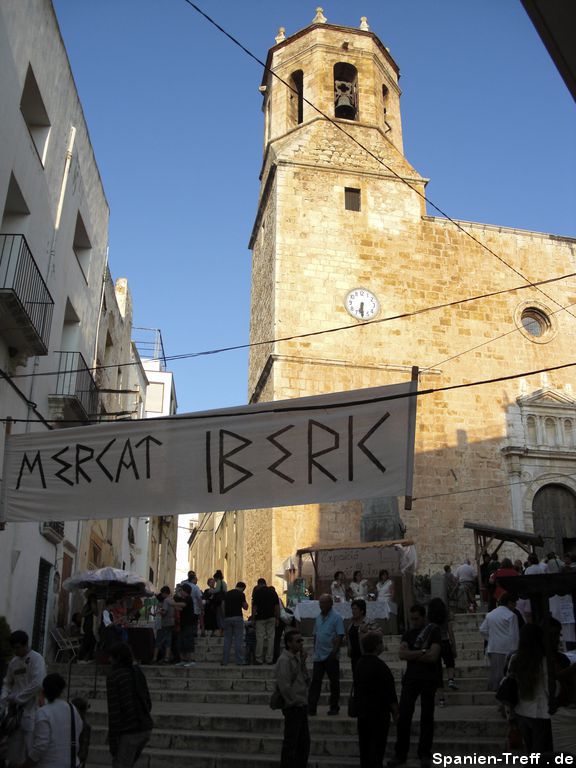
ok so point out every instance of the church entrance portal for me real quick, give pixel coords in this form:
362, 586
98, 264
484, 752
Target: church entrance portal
554, 510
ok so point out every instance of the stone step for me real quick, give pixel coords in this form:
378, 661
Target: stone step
167, 672
453, 698
473, 721
224, 756
201, 678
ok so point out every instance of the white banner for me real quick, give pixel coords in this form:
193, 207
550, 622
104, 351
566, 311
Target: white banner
348, 445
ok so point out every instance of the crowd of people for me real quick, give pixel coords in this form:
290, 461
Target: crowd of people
219, 611
40, 729
516, 644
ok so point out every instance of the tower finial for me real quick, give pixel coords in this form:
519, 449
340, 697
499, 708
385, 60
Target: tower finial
319, 18
364, 24
280, 37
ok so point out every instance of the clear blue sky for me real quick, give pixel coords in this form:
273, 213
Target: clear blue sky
175, 118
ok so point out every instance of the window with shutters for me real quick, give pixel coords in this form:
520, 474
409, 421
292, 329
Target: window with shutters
352, 199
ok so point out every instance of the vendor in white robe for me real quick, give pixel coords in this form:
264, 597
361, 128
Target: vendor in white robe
337, 588
358, 586
385, 589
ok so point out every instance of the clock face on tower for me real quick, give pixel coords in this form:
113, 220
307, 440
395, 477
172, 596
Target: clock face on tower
362, 304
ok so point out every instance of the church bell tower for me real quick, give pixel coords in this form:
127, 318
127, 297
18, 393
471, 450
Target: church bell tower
332, 188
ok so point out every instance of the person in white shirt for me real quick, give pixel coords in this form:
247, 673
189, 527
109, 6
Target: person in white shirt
358, 586
52, 735
500, 628
22, 686
467, 580
535, 566
197, 602
337, 588
385, 591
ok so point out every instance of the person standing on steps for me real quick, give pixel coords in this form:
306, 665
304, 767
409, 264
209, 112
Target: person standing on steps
328, 637
266, 615
439, 614
21, 689
500, 628
375, 699
293, 680
234, 604
420, 649
129, 707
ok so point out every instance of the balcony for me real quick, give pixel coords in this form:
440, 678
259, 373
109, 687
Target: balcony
76, 393
53, 531
25, 303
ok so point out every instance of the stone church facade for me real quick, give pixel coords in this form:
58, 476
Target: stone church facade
335, 217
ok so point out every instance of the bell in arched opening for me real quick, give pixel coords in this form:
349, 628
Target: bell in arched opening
344, 100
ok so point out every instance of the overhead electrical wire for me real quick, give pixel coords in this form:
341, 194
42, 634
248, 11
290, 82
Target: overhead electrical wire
528, 283
296, 407
482, 344
378, 159
295, 337
483, 488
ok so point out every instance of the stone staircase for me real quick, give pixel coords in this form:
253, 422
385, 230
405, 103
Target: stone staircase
208, 716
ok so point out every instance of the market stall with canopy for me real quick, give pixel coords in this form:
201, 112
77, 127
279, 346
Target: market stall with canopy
397, 556
489, 538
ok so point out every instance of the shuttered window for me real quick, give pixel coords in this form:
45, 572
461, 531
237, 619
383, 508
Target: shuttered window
351, 199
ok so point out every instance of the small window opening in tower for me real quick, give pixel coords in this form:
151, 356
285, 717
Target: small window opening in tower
345, 91
296, 97
352, 199
385, 94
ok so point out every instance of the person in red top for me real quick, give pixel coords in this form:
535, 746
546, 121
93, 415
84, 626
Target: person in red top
506, 569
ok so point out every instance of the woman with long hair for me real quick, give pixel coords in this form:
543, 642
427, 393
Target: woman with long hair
358, 586
385, 591
528, 665
337, 588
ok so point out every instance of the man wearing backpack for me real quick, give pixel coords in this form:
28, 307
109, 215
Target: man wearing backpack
292, 681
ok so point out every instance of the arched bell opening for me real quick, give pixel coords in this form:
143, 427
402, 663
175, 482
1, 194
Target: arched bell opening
296, 98
345, 91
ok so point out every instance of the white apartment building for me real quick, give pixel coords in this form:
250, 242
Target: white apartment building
156, 537
66, 355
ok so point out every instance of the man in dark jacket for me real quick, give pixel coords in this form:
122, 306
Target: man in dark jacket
420, 647
375, 699
129, 706
292, 681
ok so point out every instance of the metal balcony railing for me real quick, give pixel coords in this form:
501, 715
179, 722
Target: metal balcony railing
53, 531
75, 381
29, 302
